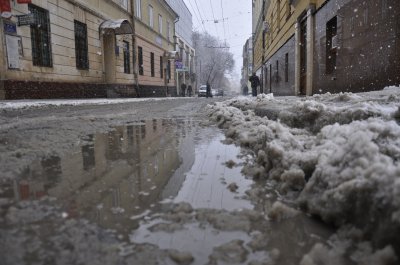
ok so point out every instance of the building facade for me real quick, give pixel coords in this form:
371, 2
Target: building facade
66, 48
155, 45
247, 69
185, 71
324, 46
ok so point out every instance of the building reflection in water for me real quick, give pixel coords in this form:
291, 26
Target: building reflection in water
115, 175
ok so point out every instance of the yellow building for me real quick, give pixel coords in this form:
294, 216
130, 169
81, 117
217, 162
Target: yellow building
155, 30
304, 47
67, 48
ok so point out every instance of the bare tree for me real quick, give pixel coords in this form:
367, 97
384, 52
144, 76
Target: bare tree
214, 60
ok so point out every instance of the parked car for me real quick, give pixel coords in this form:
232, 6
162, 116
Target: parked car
202, 91
220, 92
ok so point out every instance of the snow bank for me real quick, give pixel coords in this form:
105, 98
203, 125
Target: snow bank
340, 151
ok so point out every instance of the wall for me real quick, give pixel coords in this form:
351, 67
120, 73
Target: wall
368, 54
48, 82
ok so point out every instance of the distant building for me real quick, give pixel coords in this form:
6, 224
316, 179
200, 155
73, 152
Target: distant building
247, 69
66, 49
185, 72
155, 31
304, 47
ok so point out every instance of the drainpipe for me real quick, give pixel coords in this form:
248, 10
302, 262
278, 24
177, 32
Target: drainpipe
175, 44
134, 44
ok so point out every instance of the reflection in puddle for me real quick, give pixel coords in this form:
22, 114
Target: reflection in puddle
128, 179
120, 174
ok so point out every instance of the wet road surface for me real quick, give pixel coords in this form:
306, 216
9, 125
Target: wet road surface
163, 191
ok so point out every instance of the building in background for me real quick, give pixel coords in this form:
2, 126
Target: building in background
185, 71
247, 69
155, 47
304, 47
66, 49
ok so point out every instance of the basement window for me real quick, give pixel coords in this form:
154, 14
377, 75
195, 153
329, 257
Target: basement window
40, 36
331, 45
81, 45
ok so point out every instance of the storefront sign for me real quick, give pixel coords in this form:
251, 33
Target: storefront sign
178, 65
10, 27
26, 20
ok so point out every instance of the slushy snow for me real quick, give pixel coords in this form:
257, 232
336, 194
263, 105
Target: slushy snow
339, 152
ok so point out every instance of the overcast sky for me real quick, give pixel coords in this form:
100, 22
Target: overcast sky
234, 23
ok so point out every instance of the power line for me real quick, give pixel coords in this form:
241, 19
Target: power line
223, 21
215, 24
198, 20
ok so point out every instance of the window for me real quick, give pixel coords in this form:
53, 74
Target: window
127, 61
138, 9
151, 19
331, 43
140, 60
160, 24
278, 14
288, 9
81, 45
277, 71
152, 64
161, 67
169, 70
286, 67
40, 36
168, 31
124, 3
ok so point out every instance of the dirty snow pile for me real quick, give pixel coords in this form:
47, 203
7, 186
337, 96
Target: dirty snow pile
340, 152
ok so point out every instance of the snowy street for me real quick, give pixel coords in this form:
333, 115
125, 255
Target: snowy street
266, 180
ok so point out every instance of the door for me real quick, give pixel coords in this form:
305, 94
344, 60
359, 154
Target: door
303, 57
109, 57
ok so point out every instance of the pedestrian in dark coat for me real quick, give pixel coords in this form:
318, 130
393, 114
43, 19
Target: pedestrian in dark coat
190, 90
255, 82
208, 92
183, 89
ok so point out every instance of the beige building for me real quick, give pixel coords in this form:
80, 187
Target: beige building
67, 48
155, 30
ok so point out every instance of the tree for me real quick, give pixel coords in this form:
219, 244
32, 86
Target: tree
214, 61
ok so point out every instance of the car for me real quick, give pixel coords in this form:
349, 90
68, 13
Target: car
202, 91
220, 92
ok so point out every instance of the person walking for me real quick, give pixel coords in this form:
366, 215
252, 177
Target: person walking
190, 90
255, 82
208, 91
183, 89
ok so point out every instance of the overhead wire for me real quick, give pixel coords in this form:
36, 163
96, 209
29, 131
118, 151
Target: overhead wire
215, 21
198, 20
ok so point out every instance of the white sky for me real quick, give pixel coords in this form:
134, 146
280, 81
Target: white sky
235, 28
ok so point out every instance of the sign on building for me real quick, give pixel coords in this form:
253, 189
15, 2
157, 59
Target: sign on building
13, 44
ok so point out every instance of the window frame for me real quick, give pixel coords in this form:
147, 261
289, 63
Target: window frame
152, 72
151, 16
41, 37
81, 46
161, 67
160, 24
138, 9
140, 61
127, 57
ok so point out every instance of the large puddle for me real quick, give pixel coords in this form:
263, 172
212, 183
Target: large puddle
171, 183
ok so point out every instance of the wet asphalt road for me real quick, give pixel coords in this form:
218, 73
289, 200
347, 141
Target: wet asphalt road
137, 183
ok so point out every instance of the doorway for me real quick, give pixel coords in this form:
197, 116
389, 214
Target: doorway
303, 57
109, 56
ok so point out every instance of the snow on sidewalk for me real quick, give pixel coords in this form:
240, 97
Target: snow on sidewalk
341, 152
